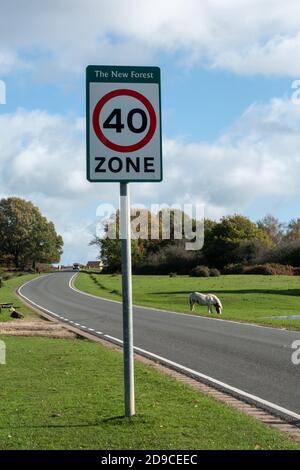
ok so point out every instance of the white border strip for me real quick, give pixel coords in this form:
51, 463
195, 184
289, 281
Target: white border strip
180, 367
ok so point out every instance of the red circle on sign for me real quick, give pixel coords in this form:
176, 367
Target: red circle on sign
105, 140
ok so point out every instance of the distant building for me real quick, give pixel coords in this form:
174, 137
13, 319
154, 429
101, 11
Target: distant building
95, 265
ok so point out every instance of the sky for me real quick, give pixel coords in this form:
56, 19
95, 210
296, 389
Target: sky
230, 105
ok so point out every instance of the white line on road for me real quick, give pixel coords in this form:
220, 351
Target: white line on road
113, 338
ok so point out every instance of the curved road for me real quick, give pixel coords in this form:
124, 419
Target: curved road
255, 360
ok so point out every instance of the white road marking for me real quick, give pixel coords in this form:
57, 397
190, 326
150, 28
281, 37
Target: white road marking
212, 380
193, 372
113, 338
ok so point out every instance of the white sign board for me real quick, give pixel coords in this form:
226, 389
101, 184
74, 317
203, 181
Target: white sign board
123, 124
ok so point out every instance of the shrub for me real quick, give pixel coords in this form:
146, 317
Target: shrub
250, 252
169, 259
7, 276
200, 271
270, 269
214, 272
285, 253
233, 268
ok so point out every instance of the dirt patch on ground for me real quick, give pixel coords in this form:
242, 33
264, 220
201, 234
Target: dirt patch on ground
36, 328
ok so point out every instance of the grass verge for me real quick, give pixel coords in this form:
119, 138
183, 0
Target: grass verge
250, 298
8, 295
68, 394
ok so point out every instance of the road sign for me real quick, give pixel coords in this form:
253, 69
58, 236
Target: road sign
123, 124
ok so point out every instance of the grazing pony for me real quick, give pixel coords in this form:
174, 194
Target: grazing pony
203, 299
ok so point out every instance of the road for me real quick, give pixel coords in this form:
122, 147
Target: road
255, 360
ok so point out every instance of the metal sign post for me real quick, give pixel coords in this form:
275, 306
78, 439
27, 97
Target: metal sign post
124, 144
127, 300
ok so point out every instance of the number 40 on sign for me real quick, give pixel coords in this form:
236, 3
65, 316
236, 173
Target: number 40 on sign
123, 124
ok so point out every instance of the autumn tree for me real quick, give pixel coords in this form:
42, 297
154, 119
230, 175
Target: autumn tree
293, 231
26, 237
273, 227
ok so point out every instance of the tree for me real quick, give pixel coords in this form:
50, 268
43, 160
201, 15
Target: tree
47, 244
26, 237
165, 247
293, 231
110, 245
224, 238
273, 227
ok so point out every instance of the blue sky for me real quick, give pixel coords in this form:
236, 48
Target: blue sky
196, 103
230, 126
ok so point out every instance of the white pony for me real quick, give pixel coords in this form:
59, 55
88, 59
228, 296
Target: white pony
209, 300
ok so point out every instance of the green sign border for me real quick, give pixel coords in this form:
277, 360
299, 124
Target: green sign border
92, 78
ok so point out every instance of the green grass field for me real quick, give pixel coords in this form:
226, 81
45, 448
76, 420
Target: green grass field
68, 394
250, 298
8, 295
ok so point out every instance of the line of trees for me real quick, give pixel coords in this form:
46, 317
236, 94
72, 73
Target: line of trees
26, 236
230, 244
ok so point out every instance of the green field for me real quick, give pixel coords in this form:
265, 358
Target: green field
68, 394
8, 295
250, 298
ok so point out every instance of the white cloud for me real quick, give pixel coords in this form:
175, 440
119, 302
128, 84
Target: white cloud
42, 158
76, 244
247, 37
10, 61
258, 158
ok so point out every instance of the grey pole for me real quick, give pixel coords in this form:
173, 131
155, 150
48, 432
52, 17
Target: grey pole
127, 300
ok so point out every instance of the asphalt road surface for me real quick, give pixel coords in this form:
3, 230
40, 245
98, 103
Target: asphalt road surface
255, 360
